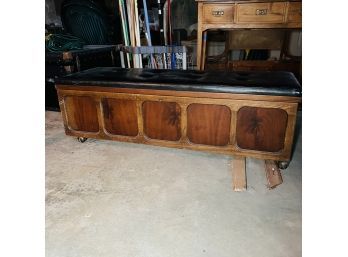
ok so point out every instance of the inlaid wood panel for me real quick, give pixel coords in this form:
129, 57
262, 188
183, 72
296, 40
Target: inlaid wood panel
81, 113
208, 124
261, 129
221, 13
120, 116
261, 12
176, 136
162, 120
295, 12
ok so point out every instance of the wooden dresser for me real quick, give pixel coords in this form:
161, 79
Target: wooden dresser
254, 14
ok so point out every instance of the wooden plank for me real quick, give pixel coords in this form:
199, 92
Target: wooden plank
183, 123
273, 175
238, 174
199, 35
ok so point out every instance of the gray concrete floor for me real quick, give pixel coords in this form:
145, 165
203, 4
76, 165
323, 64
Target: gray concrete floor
106, 198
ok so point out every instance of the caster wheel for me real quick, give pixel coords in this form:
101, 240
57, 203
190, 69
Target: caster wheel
82, 139
283, 165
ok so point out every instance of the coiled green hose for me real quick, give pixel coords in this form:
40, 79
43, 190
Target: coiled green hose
60, 43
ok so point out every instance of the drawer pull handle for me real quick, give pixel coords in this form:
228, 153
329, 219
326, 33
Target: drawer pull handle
217, 13
261, 11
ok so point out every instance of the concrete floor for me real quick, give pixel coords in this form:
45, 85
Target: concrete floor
106, 198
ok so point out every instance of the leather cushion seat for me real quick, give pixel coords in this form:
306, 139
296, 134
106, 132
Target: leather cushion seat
256, 82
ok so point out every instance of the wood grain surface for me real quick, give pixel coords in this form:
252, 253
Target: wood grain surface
81, 113
261, 12
295, 12
261, 129
208, 124
162, 120
221, 13
120, 116
239, 182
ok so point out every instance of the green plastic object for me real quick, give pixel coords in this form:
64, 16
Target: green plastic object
61, 43
85, 19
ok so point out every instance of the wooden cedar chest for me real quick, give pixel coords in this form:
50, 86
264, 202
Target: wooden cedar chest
249, 114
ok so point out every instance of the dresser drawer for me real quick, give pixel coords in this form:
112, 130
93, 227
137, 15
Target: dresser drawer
218, 13
261, 12
295, 12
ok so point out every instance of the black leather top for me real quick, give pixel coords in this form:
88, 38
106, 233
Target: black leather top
260, 83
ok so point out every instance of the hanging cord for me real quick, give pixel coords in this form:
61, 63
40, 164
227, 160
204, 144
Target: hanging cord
60, 42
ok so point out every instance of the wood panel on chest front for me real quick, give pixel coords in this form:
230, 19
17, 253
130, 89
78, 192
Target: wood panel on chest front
208, 124
254, 128
261, 129
81, 113
162, 120
120, 116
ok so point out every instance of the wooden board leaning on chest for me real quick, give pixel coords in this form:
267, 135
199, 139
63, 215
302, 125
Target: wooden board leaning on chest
254, 14
259, 126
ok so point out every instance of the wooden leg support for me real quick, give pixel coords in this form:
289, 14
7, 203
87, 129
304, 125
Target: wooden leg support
238, 173
273, 175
